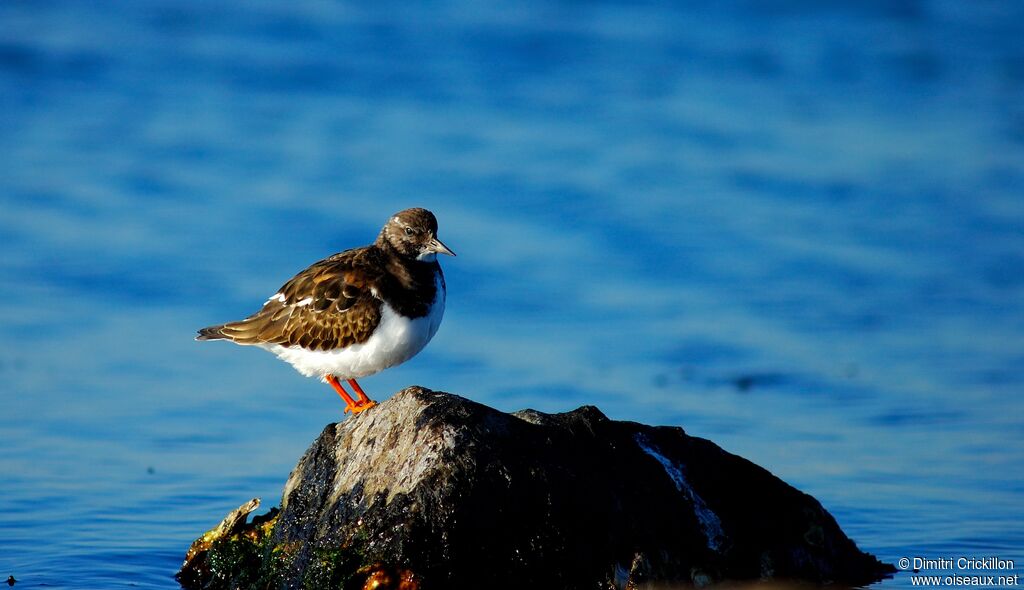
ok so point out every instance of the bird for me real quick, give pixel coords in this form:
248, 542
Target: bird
357, 312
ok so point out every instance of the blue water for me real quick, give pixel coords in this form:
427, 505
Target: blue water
795, 228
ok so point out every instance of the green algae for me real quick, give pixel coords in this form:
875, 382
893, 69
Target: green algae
333, 568
236, 554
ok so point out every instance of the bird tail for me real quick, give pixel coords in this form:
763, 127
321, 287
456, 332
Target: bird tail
212, 333
245, 331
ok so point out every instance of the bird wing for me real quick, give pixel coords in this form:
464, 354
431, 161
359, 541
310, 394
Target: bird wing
332, 304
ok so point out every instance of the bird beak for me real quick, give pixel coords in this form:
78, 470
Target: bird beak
437, 246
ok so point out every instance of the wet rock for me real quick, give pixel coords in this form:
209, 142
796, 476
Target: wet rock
230, 555
433, 491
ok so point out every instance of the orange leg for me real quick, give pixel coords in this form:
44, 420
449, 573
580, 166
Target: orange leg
350, 404
364, 402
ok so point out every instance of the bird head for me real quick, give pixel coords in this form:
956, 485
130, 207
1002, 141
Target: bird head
412, 233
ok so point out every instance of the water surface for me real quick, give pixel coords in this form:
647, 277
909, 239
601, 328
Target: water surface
794, 228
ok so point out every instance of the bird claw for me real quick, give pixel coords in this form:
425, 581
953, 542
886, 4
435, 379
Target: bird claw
361, 407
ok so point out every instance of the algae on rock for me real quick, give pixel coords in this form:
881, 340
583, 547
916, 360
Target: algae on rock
233, 553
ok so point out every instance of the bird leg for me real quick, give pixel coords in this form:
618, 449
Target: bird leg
350, 404
364, 402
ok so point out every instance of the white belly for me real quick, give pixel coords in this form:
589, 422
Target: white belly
396, 340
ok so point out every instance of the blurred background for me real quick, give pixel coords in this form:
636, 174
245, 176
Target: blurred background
795, 228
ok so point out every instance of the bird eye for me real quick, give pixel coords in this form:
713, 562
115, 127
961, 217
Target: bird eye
409, 231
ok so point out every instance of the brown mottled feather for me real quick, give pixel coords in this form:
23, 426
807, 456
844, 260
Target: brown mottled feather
342, 311
345, 292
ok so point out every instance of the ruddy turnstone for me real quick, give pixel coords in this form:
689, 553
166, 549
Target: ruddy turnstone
357, 312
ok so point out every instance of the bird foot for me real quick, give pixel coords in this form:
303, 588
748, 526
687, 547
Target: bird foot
360, 406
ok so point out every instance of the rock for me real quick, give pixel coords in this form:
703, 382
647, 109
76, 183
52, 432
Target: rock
220, 556
432, 491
